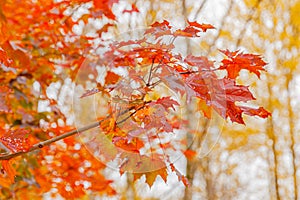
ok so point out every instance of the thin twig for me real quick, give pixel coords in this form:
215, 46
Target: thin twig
60, 137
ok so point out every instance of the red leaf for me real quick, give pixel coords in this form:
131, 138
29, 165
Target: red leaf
104, 29
105, 6
204, 27
237, 61
151, 166
190, 154
4, 59
201, 62
167, 102
159, 29
187, 32
181, 177
17, 140
234, 113
19, 57
133, 9
111, 78
233, 92
261, 112
132, 146
8, 168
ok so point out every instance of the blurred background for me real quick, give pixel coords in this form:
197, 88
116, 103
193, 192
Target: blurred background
259, 160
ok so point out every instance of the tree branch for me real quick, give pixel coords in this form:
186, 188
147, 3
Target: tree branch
70, 133
52, 140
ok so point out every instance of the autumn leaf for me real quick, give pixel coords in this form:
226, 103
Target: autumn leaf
133, 9
201, 62
180, 176
151, 166
159, 29
187, 32
207, 110
190, 154
105, 6
261, 112
203, 27
167, 102
237, 61
111, 78
16, 140
19, 57
8, 168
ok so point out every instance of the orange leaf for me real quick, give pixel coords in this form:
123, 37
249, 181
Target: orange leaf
204, 27
16, 140
111, 78
237, 61
7, 167
190, 154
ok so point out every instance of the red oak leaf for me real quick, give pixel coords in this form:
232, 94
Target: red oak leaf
237, 61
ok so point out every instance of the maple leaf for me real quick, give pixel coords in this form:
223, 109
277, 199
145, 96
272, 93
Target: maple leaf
133, 9
173, 81
261, 112
104, 29
201, 62
111, 78
105, 6
151, 166
235, 92
9, 169
207, 110
16, 140
167, 102
4, 59
203, 27
237, 61
234, 113
151, 176
159, 29
134, 145
187, 32
19, 57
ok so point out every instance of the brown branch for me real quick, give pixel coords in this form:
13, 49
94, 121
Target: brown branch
52, 140
292, 134
68, 134
273, 137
